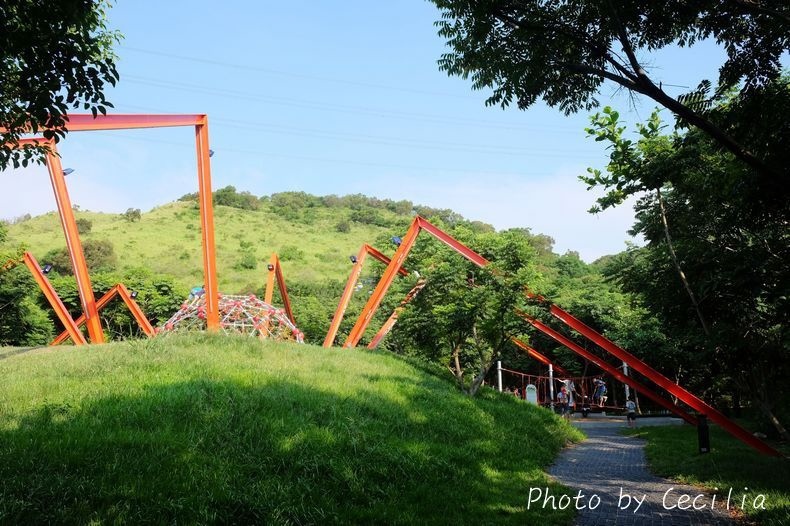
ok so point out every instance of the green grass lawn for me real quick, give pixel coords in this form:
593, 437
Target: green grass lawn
730, 464
212, 429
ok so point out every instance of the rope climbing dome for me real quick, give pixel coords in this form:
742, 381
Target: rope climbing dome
237, 314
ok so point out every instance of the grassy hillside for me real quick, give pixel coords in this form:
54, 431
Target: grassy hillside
206, 429
166, 240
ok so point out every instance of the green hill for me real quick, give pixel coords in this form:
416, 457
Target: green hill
212, 429
166, 240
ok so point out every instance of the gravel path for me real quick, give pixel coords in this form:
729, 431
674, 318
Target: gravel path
609, 465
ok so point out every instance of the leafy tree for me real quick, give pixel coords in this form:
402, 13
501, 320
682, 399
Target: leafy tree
99, 256
53, 58
563, 51
132, 214
717, 246
465, 316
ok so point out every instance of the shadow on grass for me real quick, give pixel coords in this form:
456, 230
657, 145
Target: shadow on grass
279, 452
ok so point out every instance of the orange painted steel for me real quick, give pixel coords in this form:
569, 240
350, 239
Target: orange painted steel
134, 308
390, 323
419, 224
73, 243
662, 381
615, 372
348, 291
89, 122
537, 356
53, 299
276, 271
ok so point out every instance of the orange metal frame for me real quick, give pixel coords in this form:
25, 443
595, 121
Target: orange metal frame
615, 372
118, 290
418, 225
390, 323
53, 299
537, 356
348, 291
88, 122
276, 272
662, 381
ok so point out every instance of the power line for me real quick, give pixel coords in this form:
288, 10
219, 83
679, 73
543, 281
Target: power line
264, 154
322, 106
303, 76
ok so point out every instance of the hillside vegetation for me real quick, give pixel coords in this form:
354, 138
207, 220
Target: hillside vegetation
205, 429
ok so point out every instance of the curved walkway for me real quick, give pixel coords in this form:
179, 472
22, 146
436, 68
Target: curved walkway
611, 465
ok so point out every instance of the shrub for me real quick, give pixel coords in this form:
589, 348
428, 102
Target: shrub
84, 225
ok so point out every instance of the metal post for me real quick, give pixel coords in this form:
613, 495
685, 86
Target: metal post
703, 434
627, 389
551, 386
207, 226
499, 375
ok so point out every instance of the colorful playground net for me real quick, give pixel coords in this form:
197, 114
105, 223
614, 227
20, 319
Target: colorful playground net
237, 314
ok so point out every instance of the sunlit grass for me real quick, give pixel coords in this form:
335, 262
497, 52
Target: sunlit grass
199, 429
730, 464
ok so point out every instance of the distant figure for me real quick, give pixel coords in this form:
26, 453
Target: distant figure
516, 392
599, 395
630, 407
197, 292
562, 401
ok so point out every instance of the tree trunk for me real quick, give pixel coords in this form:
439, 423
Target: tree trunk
766, 409
672, 253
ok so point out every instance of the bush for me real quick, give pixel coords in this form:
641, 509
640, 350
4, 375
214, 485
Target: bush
247, 261
99, 256
84, 225
132, 214
343, 226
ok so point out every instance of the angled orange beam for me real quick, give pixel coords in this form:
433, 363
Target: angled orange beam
73, 243
276, 272
401, 253
662, 381
53, 299
537, 356
117, 290
104, 300
88, 122
348, 291
136, 311
390, 323
615, 372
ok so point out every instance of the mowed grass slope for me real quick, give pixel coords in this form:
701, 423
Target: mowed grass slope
205, 429
167, 241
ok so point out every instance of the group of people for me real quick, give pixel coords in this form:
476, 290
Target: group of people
565, 400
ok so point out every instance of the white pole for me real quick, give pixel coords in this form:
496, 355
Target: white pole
551, 385
499, 374
627, 389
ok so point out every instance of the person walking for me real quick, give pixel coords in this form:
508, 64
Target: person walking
630, 407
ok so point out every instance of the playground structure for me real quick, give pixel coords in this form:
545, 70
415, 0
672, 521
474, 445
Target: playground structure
276, 276
89, 122
348, 291
419, 224
214, 312
121, 291
244, 314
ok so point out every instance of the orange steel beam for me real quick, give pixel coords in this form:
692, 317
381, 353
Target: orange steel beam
348, 291
53, 299
136, 311
73, 243
123, 292
89, 122
387, 278
537, 356
275, 271
390, 323
110, 294
662, 381
615, 372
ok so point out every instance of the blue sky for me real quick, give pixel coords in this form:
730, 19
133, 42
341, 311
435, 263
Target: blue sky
337, 97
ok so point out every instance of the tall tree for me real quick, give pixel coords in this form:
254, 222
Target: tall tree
54, 56
717, 245
562, 51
